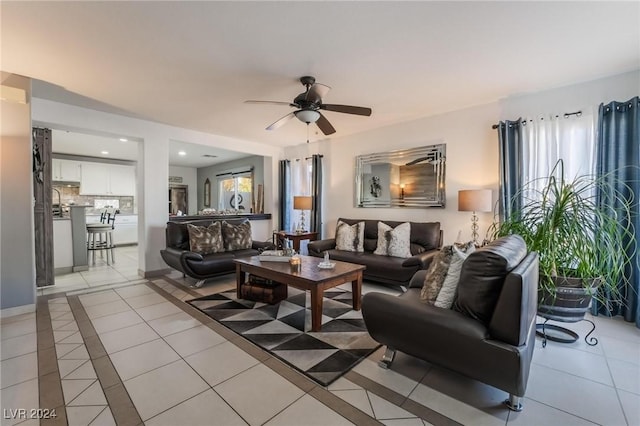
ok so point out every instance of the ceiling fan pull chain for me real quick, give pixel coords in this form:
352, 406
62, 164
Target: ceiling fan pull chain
307, 132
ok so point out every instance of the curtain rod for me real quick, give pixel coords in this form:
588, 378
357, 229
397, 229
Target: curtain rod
235, 173
565, 115
307, 158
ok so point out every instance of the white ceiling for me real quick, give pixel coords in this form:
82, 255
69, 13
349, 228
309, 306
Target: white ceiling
91, 145
192, 64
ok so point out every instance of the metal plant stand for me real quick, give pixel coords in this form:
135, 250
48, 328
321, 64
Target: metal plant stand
562, 334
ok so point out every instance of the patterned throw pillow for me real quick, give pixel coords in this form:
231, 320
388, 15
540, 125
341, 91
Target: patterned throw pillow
350, 237
394, 241
447, 293
236, 237
436, 275
205, 240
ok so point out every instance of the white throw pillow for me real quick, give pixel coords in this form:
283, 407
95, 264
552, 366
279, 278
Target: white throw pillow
350, 237
449, 289
394, 241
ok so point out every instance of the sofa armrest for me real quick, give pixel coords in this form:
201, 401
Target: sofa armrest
417, 281
263, 245
190, 255
422, 260
317, 248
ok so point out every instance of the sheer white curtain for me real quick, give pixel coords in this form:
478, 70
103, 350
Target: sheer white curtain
548, 139
300, 185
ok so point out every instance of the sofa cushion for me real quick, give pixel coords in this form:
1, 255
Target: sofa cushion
205, 240
393, 241
350, 237
378, 267
236, 237
447, 293
483, 274
436, 275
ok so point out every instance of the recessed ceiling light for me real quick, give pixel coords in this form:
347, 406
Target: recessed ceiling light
104, 152
124, 140
182, 153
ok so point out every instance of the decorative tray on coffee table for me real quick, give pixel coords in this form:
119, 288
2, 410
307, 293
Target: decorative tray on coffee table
326, 265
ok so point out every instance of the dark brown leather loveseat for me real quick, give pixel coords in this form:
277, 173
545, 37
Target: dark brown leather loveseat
425, 240
178, 256
489, 335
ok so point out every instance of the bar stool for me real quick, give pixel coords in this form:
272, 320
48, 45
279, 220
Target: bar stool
100, 235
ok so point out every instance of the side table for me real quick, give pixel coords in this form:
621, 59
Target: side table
296, 238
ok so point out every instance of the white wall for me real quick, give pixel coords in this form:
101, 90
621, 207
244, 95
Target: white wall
472, 162
210, 172
152, 185
472, 151
576, 97
17, 251
189, 177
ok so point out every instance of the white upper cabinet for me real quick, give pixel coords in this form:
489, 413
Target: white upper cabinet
107, 179
122, 180
65, 170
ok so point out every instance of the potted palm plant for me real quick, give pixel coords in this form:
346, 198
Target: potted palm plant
580, 228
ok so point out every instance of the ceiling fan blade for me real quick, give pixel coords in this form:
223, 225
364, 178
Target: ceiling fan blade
270, 103
325, 126
281, 121
316, 92
347, 109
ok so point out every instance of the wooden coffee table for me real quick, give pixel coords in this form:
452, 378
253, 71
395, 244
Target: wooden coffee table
310, 277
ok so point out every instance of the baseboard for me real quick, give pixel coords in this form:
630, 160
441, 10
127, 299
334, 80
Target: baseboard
63, 270
80, 268
17, 310
154, 274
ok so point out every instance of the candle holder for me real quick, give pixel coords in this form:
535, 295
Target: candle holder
295, 263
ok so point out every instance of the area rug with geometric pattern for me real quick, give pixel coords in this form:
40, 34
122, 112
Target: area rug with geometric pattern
283, 329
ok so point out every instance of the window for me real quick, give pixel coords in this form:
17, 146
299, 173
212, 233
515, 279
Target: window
570, 138
235, 191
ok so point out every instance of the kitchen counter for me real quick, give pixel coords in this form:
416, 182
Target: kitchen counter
250, 216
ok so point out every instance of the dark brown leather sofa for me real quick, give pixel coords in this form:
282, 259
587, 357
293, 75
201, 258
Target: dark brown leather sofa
195, 265
497, 351
425, 239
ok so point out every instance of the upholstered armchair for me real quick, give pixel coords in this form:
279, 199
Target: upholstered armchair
489, 335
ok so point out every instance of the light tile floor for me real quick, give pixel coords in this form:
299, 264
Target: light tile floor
178, 371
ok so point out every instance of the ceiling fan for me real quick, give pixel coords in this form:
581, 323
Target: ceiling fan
309, 104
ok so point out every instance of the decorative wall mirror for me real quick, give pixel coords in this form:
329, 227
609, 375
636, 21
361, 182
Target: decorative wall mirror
207, 193
404, 178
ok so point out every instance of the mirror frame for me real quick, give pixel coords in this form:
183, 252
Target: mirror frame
207, 193
426, 161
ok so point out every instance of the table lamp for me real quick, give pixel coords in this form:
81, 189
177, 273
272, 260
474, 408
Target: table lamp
302, 202
474, 200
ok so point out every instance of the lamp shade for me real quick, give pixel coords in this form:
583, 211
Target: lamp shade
307, 115
302, 202
474, 200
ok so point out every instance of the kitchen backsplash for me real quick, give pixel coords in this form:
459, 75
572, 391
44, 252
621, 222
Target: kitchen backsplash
71, 195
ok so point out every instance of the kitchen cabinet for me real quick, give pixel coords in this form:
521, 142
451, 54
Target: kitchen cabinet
107, 179
65, 170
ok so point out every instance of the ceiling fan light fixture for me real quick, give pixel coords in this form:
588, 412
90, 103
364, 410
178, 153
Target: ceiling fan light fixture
307, 115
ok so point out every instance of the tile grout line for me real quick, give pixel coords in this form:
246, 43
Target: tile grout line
122, 408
